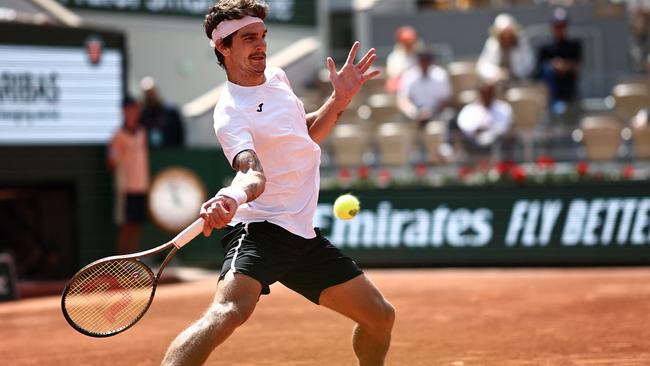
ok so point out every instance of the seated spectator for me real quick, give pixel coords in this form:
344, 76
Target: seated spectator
402, 57
486, 121
558, 62
640, 120
506, 54
162, 120
425, 90
639, 16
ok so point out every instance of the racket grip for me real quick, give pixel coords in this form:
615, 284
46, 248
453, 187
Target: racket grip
188, 233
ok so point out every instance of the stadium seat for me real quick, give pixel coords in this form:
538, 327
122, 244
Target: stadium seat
349, 115
385, 113
396, 141
629, 99
538, 90
466, 97
349, 142
375, 85
379, 109
601, 136
526, 113
641, 141
434, 137
463, 76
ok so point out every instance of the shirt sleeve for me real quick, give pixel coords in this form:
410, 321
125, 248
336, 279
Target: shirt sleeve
233, 132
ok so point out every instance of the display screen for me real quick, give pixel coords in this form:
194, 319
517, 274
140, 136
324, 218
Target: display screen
54, 94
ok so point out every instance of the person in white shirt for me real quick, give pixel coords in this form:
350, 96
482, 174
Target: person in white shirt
402, 57
506, 55
486, 121
267, 211
425, 90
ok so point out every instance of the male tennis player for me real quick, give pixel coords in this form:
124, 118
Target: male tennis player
268, 210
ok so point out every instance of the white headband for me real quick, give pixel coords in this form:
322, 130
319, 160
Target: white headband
228, 27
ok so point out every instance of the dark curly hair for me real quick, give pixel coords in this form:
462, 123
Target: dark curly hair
232, 9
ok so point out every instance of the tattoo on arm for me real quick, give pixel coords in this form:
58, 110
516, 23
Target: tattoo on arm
247, 160
250, 175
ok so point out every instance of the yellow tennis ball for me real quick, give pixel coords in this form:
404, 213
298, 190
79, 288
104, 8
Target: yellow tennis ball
346, 206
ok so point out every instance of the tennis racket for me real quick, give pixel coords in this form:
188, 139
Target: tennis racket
110, 295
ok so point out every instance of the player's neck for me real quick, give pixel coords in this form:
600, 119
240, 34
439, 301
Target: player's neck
243, 79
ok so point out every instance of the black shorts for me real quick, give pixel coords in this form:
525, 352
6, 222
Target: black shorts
135, 208
269, 253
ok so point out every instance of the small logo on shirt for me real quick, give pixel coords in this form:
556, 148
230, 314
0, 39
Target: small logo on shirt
259, 109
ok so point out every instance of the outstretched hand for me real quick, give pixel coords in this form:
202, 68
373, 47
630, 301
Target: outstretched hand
350, 78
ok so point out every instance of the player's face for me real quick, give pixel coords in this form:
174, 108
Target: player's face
247, 54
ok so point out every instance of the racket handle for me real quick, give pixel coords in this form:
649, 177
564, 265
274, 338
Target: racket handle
188, 233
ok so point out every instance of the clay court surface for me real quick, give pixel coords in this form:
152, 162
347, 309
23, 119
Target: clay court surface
445, 317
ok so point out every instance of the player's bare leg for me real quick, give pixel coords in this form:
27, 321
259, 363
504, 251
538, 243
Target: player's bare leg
234, 302
359, 300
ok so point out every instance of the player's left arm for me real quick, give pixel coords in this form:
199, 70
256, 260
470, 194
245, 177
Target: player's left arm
346, 84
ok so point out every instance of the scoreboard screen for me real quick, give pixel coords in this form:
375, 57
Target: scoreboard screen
60, 90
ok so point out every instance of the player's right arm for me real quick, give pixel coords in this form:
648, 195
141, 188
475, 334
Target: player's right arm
248, 184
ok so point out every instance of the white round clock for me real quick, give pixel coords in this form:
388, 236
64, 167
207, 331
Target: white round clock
175, 198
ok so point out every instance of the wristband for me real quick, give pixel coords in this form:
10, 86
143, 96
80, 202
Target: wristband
237, 194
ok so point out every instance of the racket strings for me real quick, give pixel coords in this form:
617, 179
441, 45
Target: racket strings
109, 296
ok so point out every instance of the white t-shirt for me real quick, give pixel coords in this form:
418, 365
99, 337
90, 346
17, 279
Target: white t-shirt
270, 120
426, 92
496, 120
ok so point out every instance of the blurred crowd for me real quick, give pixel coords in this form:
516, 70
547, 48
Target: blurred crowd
514, 102
149, 123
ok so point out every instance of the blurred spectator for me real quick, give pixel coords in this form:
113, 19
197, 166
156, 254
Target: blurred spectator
402, 57
639, 11
640, 120
425, 89
485, 122
506, 54
128, 158
162, 120
558, 62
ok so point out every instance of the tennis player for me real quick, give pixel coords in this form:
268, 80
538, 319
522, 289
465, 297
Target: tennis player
268, 209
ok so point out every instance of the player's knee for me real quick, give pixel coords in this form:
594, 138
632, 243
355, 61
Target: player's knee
383, 317
388, 317
228, 314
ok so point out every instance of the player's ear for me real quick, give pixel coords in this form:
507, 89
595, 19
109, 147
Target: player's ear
225, 51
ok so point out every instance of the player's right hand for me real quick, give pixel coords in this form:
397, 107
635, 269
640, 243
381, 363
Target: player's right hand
217, 212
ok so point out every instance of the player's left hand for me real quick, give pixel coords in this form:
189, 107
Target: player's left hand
347, 81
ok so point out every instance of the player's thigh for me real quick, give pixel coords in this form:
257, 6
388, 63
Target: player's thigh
359, 300
236, 294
